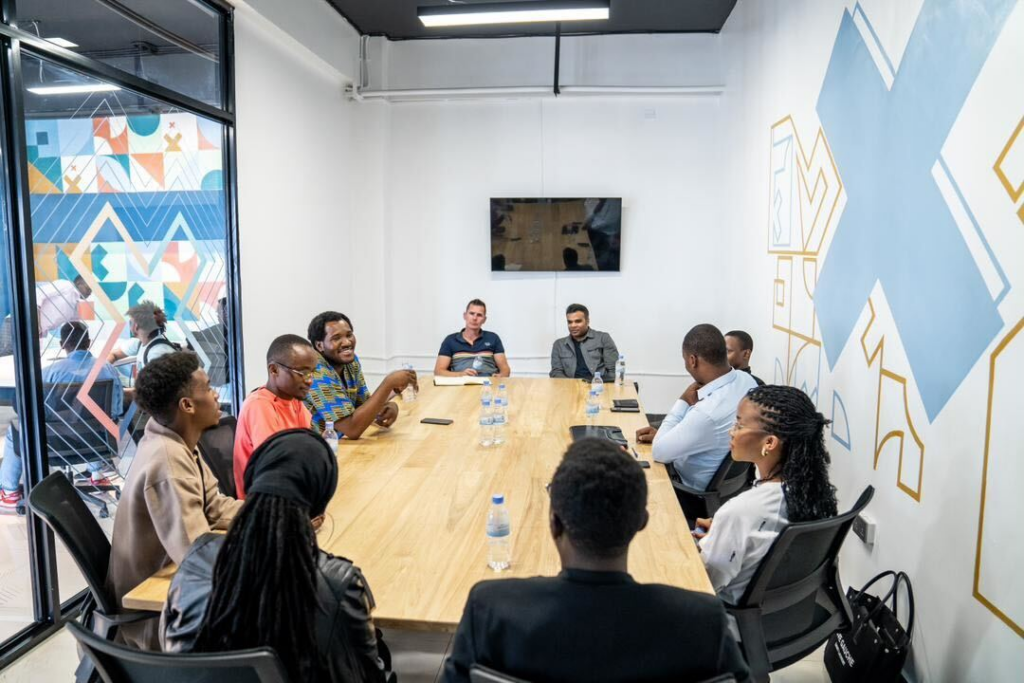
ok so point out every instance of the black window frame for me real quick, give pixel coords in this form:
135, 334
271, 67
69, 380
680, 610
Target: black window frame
49, 612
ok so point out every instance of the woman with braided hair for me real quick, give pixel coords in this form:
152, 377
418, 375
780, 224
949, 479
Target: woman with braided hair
267, 584
779, 430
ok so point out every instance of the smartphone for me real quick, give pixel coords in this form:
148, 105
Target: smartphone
624, 409
436, 421
645, 465
626, 403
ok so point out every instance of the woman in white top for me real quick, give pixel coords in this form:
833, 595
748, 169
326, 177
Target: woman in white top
778, 429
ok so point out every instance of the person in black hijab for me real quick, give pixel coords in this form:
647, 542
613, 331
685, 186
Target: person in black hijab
266, 583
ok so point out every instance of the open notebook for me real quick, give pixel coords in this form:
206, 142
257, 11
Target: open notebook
458, 381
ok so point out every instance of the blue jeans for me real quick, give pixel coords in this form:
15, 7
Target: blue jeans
12, 467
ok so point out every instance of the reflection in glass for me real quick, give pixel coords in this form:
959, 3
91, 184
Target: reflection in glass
16, 609
128, 223
173, 43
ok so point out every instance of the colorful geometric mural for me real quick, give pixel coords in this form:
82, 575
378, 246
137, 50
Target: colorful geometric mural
901, 259
135, 206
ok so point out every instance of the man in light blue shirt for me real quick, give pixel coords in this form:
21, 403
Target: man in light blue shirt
75, 368
694, 436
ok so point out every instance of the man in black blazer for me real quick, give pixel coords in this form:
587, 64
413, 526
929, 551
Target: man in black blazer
593, 622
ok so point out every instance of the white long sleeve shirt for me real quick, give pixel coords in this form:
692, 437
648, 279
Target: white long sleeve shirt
741, 533
695, 439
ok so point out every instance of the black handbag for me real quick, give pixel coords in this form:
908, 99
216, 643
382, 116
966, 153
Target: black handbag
875, 647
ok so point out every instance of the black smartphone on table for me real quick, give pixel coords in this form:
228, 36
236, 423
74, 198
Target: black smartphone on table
436, 421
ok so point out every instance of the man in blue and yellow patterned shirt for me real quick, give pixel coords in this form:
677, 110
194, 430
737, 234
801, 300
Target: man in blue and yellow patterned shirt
339, 393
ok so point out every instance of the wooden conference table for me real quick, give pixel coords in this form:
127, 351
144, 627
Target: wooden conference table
412, 502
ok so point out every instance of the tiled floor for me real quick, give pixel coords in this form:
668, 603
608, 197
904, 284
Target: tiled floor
417, 659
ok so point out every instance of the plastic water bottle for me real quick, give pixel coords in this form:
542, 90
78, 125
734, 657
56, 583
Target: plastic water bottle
478, 364
499, 419
501, 397
499, 535
486, 417
593, 407
409, 393
501, 400
486, 394
597, 384
331, 437
620, 371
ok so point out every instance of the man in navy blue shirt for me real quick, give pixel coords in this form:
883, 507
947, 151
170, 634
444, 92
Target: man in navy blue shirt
472, 351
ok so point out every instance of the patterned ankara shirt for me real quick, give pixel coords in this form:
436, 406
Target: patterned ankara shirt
334, 397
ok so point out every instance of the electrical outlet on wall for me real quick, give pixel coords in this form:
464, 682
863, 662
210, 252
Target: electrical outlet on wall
864, 526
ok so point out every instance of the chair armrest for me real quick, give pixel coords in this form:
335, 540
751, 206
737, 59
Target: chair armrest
127, 616
680, 486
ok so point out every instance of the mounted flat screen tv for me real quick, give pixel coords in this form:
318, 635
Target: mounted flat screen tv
556, 234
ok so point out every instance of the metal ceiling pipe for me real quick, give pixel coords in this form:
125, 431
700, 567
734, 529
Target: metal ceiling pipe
422, 94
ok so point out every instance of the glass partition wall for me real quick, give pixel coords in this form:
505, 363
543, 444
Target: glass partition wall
116, 192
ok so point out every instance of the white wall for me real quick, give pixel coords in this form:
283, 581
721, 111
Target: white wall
444, 161
660, 60
928, 498
295, 168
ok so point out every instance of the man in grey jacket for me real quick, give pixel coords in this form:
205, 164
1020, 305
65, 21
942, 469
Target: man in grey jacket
585, 351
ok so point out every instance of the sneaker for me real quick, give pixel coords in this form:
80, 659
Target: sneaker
9, 501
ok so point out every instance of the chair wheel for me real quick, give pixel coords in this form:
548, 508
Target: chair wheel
104, 512
117, 494
21, 509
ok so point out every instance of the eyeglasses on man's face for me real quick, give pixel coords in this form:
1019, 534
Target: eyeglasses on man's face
306, 376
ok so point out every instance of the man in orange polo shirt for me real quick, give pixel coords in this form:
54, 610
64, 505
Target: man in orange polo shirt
277, 405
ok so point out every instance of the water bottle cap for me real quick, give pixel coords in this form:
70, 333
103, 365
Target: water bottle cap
622, 357
501, 386
498, 499
487, 382
328, 425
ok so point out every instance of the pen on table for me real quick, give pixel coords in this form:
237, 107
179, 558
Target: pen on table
635, 454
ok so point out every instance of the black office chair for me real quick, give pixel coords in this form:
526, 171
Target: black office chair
76, 438
795, 600
57, 503
481, 674
217, 446
730, 480
119, 664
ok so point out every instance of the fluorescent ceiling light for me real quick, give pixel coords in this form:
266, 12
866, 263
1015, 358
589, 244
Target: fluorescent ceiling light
61, 42
514, 12
72, 89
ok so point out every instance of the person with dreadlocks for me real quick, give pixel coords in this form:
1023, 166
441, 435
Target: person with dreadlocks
778, 429
267, 584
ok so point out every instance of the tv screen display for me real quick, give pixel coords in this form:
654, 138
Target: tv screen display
556, 234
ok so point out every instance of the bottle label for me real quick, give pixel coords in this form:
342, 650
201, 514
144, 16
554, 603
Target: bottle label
498, 530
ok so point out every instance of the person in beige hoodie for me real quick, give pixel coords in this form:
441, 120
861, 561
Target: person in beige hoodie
170, 496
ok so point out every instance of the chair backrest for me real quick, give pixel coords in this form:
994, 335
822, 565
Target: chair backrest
119, 664
731, 477
213, 343
217, 446
57, 503
74, 432
801, 562
481, 674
